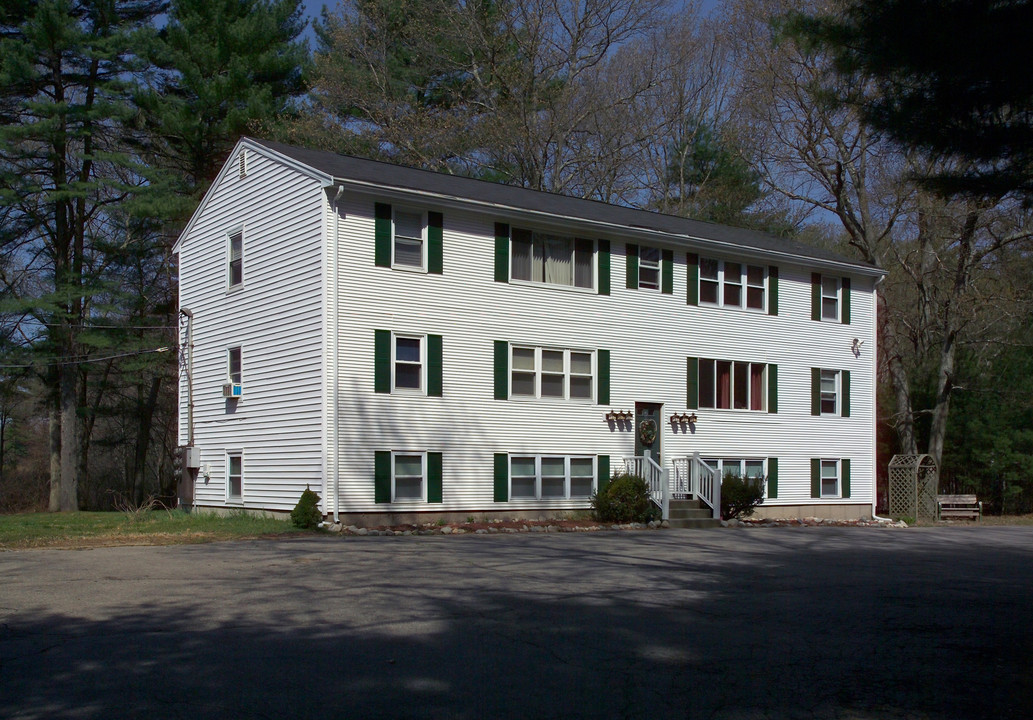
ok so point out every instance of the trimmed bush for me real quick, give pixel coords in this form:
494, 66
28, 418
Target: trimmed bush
740, 495
306, 513
625, 499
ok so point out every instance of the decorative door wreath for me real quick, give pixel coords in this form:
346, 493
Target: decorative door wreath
647, 432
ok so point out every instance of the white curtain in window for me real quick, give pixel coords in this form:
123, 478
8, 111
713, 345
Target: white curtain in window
558, 266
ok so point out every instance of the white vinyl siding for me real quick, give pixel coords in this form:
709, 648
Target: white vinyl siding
275, 316
278, 316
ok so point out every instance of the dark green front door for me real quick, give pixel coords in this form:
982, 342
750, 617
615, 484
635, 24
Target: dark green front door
648, 428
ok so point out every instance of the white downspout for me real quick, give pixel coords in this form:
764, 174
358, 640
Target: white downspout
875, 394
335, 369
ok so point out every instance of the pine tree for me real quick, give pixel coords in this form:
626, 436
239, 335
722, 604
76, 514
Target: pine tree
66, 73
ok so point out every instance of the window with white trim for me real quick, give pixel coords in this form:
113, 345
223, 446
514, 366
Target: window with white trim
732, 385
830, 392
538, 372
830, 298
551, 477
742, 467
408, 476
408, 362
732, 284
409, 239
830, 475
235, 259
234, 365
649, 267
234, 475
541, 257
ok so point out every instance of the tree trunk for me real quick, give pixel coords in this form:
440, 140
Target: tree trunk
145, 415
69, 497
941, 409
54, 415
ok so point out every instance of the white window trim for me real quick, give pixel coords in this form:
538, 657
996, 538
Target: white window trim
423, 239
838, 298
658, 266
423, 478
229, 363
234, 499
573, 250
538, 477
235, 287
719, 465
422, 389
744, 286
732, 408
839, 478
567, 374
838, 392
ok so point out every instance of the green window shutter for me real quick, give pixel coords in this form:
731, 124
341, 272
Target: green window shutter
501, 252
772, 388
603, 381
501, 477
845, 389
433, 477
382, 361
815, 477
603, 261
815, 391
845, 480
692, 383
435, 243
382, 476
816, 296
772, 478
382, 235
632, 266
773, 290
846, 301
501, 370
667, 272
692, 285
434, 365
602, 473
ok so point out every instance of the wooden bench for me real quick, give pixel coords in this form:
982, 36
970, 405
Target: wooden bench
959, 506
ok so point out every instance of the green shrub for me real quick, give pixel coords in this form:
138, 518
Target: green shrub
740, 495
306, 513
624, 499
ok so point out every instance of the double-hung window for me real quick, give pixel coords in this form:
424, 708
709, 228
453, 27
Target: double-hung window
235, 260
829, 298
830, 392
551, 373
408, 477
551, 477
649, 268
732, 385
830, 478
234, 365
732, 284
234, 475
409, 239
408, 363
541, 257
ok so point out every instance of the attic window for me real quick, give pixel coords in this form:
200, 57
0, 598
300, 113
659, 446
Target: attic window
243, 164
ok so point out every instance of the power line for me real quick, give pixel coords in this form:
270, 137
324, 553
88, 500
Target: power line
65, 361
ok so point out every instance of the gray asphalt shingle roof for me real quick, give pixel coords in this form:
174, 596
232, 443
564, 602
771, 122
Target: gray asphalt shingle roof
344, 168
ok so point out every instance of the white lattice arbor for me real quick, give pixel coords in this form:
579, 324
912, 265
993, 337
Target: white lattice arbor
914, 482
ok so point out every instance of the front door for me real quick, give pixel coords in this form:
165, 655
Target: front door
648, 431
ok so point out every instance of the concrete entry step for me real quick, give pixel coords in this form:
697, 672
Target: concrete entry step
707, 522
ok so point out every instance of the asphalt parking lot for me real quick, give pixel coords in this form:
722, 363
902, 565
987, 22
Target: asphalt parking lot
732, 623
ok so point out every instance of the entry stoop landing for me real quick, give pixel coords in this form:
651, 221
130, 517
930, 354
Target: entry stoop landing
691, 514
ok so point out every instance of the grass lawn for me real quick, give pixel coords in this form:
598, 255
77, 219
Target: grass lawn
154, 527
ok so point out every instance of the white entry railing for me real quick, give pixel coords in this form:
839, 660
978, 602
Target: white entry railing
656, 477
694, 479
